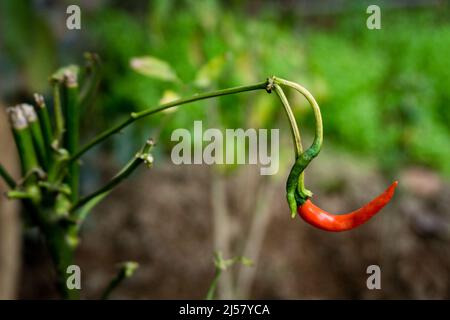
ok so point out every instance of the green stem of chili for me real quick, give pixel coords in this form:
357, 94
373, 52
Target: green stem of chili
318, 138
295, 186
294, 127
297, 183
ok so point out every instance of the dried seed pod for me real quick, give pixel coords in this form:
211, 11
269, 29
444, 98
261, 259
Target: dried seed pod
39, 100
46, 126
17, 118
23, 139
70, 78
28, 112
35, 129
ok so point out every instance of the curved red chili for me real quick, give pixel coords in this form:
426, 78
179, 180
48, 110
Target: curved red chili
342, 222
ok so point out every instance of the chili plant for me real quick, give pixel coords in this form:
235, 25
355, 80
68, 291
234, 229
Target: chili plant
48, 146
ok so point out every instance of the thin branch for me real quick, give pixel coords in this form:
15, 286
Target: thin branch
35, 130
138, 115
222, 265
213, 287
23, 139
126, 271
7, 177
91, 80
262, 214
72, 120
46, 126
59, 117
222, 231
142, 156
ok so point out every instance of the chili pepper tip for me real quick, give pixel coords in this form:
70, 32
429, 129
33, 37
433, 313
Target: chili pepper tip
321, 219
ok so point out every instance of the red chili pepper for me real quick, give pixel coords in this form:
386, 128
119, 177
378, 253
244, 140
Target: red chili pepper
342, 222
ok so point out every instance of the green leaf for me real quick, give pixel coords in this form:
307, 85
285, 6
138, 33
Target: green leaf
210, 72
154, 68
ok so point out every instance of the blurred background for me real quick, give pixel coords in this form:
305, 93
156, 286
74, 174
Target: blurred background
384, 96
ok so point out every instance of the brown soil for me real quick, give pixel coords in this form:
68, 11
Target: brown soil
163, 219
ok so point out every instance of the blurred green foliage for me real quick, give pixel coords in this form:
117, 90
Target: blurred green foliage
384, 93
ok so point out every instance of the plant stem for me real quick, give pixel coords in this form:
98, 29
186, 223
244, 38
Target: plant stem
213, 286
126, 271
138, 115
222, 235
142, 156
91, 80
7, 177
295, 135
18, 194
56, 172
62, 243
221, 265
315, 147
46, 127
59, 117
294, 128
257, 231
318, 138
72, 120
295, 186
23, 139
35, 130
